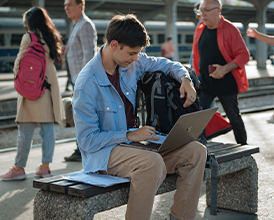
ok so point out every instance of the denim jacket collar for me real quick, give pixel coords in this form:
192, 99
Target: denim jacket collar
98, 69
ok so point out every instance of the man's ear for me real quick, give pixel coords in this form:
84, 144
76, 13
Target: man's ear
114, 45
80, 6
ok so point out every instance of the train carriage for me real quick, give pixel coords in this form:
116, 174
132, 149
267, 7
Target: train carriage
11, 31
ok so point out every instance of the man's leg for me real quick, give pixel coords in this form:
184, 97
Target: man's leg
206, 100
146, 170
189, 163
76, 155
230, 105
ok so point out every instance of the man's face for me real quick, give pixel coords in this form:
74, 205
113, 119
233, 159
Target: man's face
73, 10
125, 55
210, 13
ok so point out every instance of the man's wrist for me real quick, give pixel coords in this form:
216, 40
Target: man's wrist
186, 77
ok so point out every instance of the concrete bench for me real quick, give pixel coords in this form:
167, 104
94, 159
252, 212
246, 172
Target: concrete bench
237, 188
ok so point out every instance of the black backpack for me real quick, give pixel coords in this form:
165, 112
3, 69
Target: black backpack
162, 99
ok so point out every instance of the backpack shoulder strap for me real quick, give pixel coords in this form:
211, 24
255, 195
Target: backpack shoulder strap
33, 36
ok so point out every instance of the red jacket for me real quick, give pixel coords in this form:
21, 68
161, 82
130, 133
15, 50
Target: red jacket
232, 47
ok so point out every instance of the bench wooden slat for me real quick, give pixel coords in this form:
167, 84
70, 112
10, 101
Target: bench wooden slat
234, 153
43, 183
85, 190
226, 148
212, 145
220, 146
61, 186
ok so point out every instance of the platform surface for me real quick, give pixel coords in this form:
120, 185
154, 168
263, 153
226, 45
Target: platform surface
20, 194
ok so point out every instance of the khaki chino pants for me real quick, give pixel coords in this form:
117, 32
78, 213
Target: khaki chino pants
148, 169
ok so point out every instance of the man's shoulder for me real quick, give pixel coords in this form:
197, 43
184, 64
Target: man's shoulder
83, 21
87, 20
228, 24
86, 76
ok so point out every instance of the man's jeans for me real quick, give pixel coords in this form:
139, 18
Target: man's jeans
24, 140
230, 106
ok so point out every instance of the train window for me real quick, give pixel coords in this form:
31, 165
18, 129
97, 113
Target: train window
252, 40
179, 38
189, 38
16, 39
100, 39
2, 39
151, 39
161, 38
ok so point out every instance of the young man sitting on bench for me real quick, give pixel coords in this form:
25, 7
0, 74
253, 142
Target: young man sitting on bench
104, 103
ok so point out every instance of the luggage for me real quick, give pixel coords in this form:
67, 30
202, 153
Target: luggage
68, 122
217, 126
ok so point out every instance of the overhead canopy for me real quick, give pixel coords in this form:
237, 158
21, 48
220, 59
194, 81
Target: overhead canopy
153, 10
145, 10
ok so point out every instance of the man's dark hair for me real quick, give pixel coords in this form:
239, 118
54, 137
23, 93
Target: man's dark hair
81, 2
127, 30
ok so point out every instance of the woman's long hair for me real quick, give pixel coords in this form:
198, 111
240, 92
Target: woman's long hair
37, 20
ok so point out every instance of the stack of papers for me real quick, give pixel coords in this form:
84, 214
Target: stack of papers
96, 179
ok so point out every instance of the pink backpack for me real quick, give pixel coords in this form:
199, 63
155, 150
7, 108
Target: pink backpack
31, 81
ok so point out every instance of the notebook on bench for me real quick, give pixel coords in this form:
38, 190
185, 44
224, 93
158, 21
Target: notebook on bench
187, 128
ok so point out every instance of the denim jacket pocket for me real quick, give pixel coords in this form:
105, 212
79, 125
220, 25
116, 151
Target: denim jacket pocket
107, 112
107, 106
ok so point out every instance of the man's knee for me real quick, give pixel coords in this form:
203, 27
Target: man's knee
200, 148
198, 151
157, 165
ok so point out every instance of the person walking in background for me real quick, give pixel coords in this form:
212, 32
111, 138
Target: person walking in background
167, 49
219, 58
251, 32
81, 47
48, 108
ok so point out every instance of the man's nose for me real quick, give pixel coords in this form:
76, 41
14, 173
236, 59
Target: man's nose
135, 57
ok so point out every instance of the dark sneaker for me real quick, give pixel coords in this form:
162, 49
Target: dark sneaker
75, 157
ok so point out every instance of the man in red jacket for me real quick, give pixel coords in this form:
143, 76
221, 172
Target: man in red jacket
219, 58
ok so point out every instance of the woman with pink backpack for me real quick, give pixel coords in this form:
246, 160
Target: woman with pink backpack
45, 110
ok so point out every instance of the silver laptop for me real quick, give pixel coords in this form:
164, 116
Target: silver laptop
187, 128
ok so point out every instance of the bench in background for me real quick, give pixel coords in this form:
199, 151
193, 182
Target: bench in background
237, 188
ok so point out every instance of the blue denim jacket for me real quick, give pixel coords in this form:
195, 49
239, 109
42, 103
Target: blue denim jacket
98, 110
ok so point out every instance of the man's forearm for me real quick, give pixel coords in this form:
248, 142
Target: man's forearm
265, 38
230, 66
